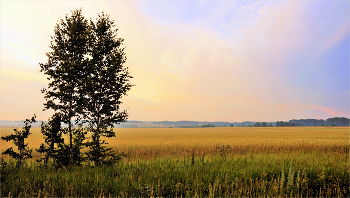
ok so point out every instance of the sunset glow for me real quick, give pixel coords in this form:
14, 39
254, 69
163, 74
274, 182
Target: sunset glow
196, 60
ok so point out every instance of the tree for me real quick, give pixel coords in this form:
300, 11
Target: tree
208, 125
256, 124
263, 124
106, 83
52, 133
338, 121
66, 69
280, 124
18, 139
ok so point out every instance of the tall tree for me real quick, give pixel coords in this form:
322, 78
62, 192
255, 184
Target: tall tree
107, 81
66, 69
18, 140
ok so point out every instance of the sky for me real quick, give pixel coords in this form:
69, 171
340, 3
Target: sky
196, 60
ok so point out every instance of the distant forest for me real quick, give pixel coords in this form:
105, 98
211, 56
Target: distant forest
337, 121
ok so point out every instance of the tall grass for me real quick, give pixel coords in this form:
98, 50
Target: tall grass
256, 175
228, 162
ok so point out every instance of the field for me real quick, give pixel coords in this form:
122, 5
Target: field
237, 161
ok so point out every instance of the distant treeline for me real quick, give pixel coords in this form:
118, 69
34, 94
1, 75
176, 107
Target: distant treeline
337, 121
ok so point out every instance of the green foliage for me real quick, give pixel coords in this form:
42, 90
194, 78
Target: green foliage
66, 69
281, 124
208, 125
106, 82
3, 170
101, 155
18, 140
87, 80
256, 124
66, 66
64, 150
55, 148
257, 175
338, 121
52, 133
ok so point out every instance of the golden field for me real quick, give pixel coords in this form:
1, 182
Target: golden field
198, 162
155, 142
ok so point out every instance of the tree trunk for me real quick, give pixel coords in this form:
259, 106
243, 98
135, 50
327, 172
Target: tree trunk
70, 132
19, 159
52, 150
98, 141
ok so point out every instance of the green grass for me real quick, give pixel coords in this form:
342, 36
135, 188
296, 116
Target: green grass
221, 162
264, 174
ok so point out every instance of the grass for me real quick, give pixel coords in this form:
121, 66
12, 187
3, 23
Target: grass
197, 162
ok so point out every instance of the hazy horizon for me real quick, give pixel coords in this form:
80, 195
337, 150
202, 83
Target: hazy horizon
193, 120
230, 61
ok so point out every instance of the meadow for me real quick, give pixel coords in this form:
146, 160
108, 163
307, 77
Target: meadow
197, 162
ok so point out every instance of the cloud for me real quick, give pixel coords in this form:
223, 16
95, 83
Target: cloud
331, 112
229, 61
338, 35
281, 54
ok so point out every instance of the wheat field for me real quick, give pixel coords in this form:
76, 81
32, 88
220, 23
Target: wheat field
199, 162
148, 143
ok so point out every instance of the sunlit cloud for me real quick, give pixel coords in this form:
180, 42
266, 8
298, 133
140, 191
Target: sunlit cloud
337, 36
331, 112
205, 61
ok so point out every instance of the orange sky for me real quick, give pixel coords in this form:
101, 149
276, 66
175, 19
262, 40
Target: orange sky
261, 62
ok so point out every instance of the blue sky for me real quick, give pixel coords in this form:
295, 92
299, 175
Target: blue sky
197, 60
